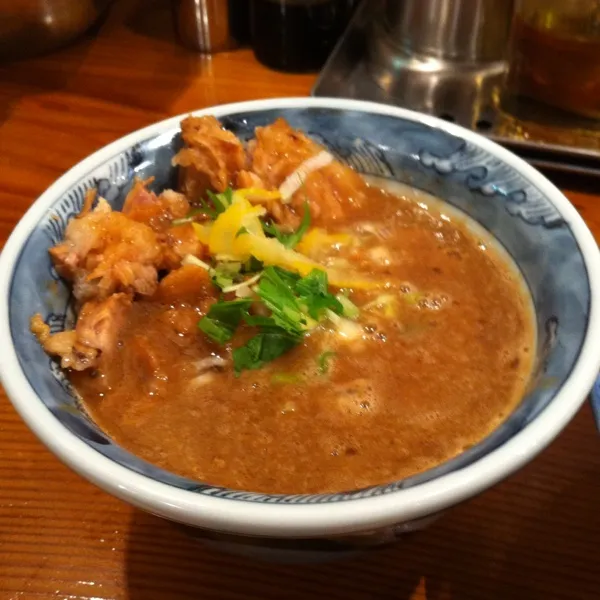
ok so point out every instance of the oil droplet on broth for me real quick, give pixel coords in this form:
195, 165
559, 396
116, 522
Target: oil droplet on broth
288, 407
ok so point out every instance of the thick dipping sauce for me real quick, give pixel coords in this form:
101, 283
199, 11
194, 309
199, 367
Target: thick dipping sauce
428, 369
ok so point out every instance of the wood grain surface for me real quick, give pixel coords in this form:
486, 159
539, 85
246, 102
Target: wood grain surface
536, 536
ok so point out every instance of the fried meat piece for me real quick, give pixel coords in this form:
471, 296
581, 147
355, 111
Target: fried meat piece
278, 151
105, 252
210, 158
96, 333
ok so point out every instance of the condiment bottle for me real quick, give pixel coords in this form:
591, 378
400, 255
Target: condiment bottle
297, 35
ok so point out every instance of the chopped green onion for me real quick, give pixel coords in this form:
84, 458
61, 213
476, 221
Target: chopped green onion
290, 240
315, 284
345, 327
260, 321
182, 221
381, 301
204, 209
297, 304
252, 265
190, 259
349, 309
313, 290
286, 378
275, 291
323, 361
224, 274
221, 202
223, 318
247, 283
262, 349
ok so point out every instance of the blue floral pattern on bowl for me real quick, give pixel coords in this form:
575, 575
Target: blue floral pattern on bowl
509, 206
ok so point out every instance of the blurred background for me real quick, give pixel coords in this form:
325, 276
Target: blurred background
523, 72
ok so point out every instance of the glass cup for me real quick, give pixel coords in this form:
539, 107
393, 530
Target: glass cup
555, 54
552, 88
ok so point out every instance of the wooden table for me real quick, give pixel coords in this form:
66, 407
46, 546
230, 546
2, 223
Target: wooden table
535, 536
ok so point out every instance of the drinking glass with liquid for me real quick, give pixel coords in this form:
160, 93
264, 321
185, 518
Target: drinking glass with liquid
297, 35
554, 56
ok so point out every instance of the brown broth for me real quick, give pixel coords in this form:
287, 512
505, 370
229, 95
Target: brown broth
414, 391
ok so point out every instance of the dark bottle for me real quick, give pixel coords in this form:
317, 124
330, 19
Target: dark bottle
297, 35
239, 18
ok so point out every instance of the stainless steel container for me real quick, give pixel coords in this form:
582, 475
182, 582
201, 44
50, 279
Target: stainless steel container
30, 27
444, 57
459, 30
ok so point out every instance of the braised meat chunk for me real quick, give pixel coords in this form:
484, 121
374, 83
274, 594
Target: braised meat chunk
210, 158
104, 252
144, 206
330, 191
96, 333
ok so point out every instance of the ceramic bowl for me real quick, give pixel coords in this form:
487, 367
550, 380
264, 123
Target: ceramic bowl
535, 223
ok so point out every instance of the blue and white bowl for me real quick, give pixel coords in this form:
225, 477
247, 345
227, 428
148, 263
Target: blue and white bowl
534, 222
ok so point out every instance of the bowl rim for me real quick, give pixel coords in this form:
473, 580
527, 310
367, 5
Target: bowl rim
300, 520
